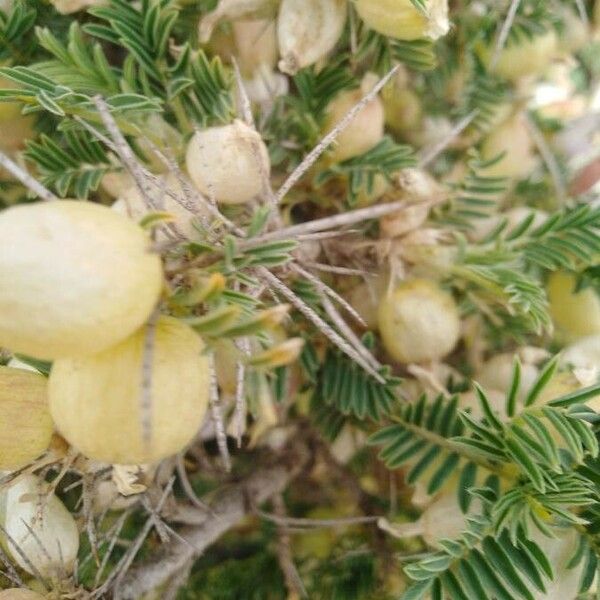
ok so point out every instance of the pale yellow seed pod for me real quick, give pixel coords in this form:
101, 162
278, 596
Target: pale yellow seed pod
560, 550
575, 315
524, 57
256, 45
20, 594
95, 401
132, 204
75, 278
514, 140
403, 110
575, 34
229, 163
308, 30
418, 322
66, 7
25, 424
366, 129
365, 299
26, 506
402, 20
233, 10
583, 354
497, 374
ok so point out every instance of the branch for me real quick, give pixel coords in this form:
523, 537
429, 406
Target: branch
229, 507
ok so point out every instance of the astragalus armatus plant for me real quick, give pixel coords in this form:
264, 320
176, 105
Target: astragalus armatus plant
299, 299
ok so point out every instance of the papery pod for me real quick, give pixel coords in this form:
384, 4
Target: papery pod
70, 6
96, 401
366, 129
308, 30
75, 278
230, 163
418, 322
185, 211
527, 56
513, 141
265, 86
402, 20
575, 33
256, 45
560, 550
583, 354
25, 506
365, 298
497, 374
25, 424
235, 9
575, 314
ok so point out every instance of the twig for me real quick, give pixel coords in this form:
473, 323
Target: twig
116, 531
314, 154
325, 328
25, 178
335, 269
582, 12
11, 570
293, 581
119, 572
348, 333
186, 485
217, 417
123, 150
317, 523
327, 290
334, 222
504, 31
230, 506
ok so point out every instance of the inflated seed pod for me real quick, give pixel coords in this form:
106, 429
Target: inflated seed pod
25, 424
131, 203
365, 130
403, 110
402, 20
575, 33
497, 374
560, 550
26, 507
524, 57
229, 163
418, 322
256, 45
307, 30
443, 518
233, 10
20, 594
95, 401
513, 140
575, 314
75, 278
70, 6
583, 354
